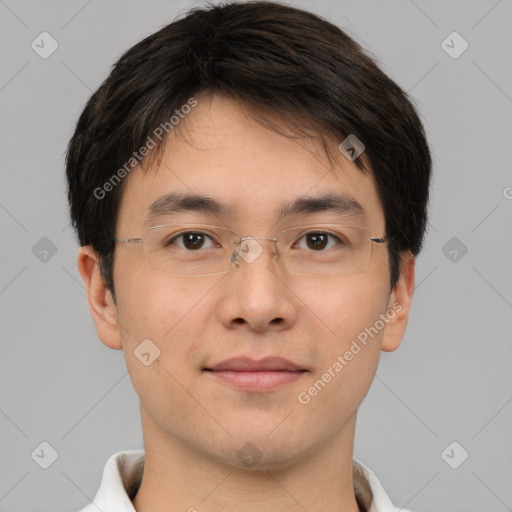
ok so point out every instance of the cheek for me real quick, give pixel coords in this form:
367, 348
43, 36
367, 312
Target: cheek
347, 313
170, 312
172, 319
155, 304
345, 307
348, 353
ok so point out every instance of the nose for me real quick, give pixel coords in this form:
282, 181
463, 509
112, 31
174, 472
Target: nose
256, 295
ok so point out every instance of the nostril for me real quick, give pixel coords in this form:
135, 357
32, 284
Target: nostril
277, 321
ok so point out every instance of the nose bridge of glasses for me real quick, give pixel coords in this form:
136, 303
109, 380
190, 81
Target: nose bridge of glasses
249, 248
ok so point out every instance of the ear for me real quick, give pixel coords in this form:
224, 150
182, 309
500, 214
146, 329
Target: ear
399, 305
101, 302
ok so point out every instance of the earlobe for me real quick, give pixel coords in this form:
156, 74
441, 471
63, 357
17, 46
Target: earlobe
399, 306
101, 303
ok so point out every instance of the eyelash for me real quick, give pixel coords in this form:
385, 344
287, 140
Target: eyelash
180, 235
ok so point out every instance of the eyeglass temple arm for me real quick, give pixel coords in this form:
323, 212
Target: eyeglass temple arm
129, 240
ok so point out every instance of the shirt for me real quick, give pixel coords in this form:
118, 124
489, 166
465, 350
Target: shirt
122, 476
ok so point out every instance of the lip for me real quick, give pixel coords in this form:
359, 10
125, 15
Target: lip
256, 376
246, 364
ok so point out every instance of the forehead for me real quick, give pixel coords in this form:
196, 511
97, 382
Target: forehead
254, 173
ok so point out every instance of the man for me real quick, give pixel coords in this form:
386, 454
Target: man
249, 192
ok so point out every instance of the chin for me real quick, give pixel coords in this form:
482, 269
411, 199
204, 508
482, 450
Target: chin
261, 452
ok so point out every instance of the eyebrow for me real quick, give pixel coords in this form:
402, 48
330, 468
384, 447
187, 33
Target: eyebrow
177, 203
343, 204
172, 203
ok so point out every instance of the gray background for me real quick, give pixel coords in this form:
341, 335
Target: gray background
449, 381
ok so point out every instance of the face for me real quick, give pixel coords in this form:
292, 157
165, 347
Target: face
193, 392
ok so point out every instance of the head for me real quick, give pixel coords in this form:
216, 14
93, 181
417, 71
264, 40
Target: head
243, 106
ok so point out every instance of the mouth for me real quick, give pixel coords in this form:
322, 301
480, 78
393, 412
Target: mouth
256, 376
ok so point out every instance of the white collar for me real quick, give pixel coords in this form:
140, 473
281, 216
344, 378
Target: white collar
123, 473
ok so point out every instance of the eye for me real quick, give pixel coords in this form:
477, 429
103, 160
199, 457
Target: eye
192, 241
318, 241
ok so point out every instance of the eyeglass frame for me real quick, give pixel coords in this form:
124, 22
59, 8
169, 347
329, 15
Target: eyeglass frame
235, 257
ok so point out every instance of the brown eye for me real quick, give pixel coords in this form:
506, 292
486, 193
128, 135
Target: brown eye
317, 241
192, 240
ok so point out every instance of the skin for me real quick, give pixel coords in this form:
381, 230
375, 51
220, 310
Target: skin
194, 425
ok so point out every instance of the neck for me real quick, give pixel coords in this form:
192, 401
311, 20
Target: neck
178, 478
